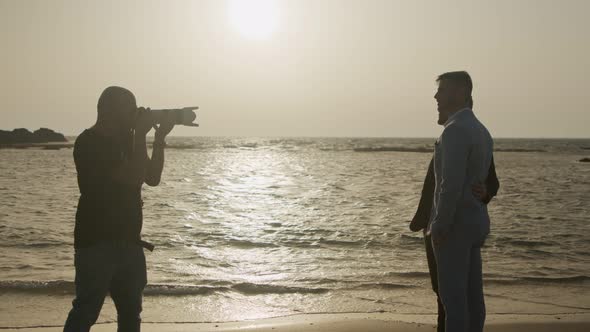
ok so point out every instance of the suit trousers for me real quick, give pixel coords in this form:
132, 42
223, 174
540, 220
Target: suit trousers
440, 327
460, 282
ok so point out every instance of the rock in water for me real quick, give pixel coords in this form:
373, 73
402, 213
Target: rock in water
44, 135
22, 135
19, 135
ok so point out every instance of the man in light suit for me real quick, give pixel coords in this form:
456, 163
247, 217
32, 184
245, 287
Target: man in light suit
485, 192
459, 220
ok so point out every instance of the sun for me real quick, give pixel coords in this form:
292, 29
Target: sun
254, 19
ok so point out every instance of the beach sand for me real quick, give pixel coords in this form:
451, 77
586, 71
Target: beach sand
349, 322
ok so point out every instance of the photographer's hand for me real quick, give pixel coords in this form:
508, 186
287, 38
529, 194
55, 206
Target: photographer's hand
144, 121
165, 127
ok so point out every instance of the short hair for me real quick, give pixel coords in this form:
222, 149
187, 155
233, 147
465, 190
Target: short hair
112, 97
459, 78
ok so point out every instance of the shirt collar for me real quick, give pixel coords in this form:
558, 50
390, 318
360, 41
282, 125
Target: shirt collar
454, 115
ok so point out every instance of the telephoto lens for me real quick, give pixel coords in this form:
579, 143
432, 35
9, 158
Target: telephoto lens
182, 116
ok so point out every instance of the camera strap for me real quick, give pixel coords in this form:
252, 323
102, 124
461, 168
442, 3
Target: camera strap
146, 245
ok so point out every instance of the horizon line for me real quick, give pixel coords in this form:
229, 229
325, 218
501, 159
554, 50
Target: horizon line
292, 136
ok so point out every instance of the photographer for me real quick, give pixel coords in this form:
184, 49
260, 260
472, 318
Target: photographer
112, 164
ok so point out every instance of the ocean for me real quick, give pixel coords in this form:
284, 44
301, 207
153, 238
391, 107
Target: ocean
248, 228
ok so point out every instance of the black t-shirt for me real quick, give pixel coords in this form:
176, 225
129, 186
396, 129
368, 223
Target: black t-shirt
107, 210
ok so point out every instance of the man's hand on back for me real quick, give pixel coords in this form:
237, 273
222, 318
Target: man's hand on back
480, 191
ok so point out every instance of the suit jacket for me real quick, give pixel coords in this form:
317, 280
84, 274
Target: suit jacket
423, 213
462, 157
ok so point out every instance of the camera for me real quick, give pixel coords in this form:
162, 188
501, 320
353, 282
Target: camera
182, 116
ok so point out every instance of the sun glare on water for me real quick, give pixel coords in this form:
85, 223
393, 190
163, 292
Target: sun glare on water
254, 19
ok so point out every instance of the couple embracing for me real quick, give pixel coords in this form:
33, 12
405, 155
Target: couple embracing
460, 182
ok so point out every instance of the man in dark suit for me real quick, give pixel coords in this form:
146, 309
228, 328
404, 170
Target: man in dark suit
484, 192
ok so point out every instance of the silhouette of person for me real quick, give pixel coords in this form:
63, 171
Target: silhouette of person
459, 221
485, 192
112, 164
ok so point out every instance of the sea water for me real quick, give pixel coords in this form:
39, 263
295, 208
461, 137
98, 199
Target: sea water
259, 227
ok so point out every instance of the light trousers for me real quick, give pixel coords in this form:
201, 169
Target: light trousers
460, 282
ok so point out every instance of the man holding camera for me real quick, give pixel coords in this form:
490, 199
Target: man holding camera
112, 164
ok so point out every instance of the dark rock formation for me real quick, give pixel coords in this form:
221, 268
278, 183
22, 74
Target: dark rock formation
585, 160
44, 135
23, 136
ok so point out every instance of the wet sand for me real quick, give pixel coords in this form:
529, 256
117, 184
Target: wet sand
357, 322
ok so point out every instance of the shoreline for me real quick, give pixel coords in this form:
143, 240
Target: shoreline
344, 322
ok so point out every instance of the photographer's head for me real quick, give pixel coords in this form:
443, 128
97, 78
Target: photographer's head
117, 108
453, 94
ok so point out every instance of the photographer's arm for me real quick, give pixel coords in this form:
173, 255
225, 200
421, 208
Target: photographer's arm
133, 169
156, 164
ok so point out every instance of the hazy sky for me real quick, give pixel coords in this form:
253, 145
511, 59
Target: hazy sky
313, 67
